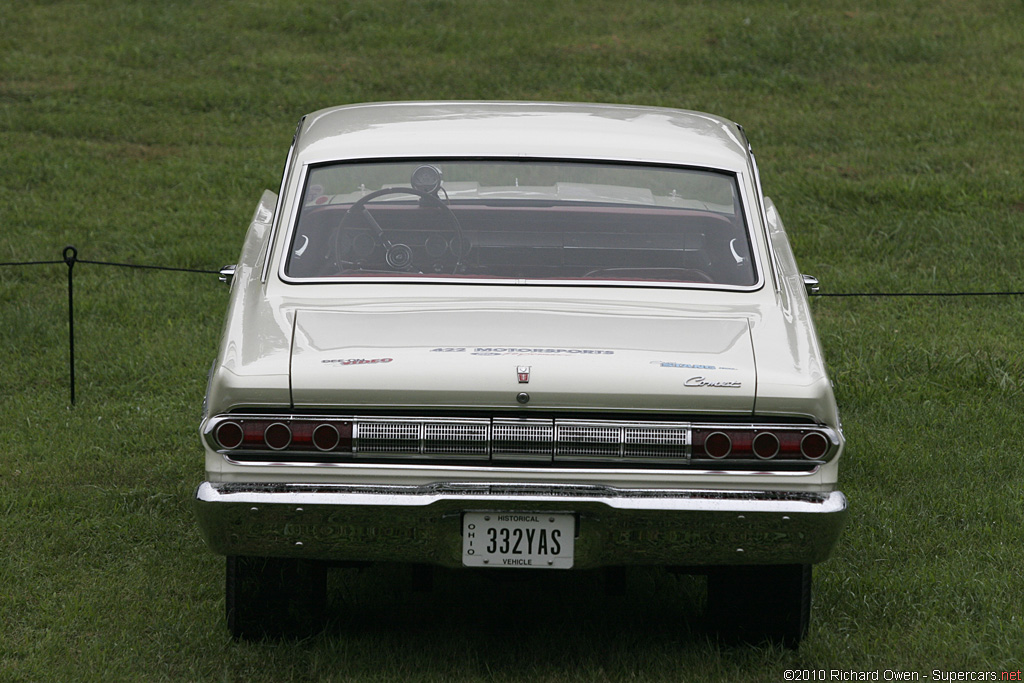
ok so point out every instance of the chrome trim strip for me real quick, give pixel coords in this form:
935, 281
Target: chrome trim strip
617, 497
399, 468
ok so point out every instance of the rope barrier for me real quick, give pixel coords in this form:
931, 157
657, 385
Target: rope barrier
29, 263
134, 265
836, 295
69, 257
913, 294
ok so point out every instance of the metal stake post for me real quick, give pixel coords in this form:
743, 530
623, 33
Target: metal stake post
70, 256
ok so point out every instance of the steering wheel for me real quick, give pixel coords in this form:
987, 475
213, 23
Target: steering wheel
397, 255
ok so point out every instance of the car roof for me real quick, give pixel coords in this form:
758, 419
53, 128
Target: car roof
521, 130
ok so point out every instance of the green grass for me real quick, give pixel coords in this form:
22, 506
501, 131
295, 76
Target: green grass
889, 136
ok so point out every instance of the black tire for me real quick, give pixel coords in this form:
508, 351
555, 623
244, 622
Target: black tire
762, 603
268, 597
616, 582
422, 576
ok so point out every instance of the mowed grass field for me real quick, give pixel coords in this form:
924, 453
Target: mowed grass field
890, 135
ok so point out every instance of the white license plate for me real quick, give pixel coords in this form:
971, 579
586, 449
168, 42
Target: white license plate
539, 540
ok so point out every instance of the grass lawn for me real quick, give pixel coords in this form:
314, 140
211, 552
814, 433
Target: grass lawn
889, 135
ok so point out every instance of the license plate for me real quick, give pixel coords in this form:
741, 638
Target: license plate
539, 540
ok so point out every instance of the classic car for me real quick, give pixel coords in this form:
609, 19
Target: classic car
517, 337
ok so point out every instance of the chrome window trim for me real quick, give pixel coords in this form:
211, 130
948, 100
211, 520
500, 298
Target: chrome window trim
293, 220
773, 263
388, 280
269, 248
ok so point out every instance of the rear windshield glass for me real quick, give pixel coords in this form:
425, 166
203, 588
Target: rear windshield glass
521, 222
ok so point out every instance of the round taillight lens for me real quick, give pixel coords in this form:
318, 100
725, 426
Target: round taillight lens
326, 437
814, 445
229, 434
277, 436
766, 445
717, 445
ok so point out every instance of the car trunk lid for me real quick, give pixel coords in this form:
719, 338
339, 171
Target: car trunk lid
487, 358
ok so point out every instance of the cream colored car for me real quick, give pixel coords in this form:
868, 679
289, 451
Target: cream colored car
516, 337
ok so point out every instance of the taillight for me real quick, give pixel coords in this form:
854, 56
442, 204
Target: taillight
717, 445
229, 435
326, 437
814, 445
278, 436
759, 443
766, 445
292, 435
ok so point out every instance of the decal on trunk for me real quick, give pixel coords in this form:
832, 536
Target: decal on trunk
356, 361
519, 351
688, 366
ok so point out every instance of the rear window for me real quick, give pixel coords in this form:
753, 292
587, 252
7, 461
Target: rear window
521, 222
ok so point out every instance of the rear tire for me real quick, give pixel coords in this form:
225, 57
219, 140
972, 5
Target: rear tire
761, 603
422, 578
267, 597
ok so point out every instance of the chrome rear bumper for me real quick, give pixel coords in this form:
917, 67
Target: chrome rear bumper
422, 524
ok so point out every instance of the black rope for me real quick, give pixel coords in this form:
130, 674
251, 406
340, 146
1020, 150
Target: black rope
134, 265
109, 263
30, 263
913, 294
